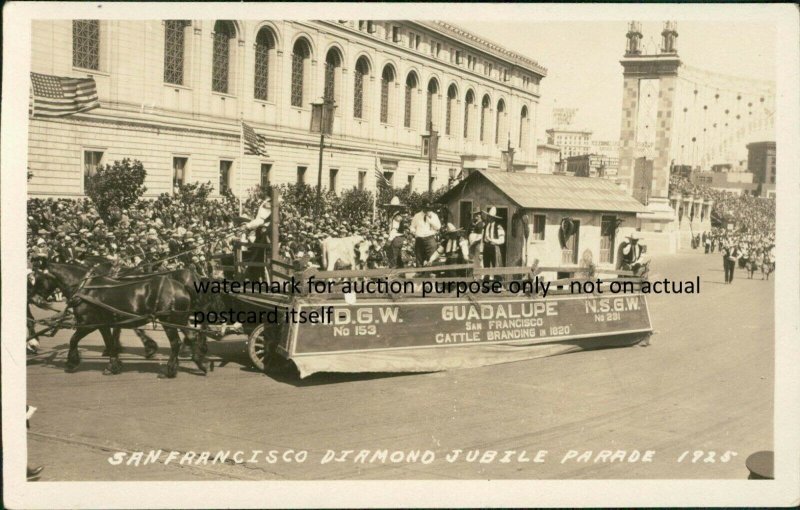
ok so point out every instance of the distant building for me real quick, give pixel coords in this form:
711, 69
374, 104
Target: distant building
571, 142
548, 158
761, 161
740, 183
591, 165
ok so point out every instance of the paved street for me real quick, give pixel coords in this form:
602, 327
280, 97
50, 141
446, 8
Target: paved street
705, 383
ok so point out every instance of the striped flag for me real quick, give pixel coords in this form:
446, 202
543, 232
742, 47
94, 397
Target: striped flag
381, 183
254, 144
58, 96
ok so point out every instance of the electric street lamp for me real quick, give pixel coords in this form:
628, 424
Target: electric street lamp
322, 111
508, 155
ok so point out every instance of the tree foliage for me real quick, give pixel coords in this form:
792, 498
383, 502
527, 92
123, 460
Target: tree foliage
116, 186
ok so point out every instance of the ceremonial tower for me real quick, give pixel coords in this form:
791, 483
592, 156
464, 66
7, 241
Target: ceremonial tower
678, 117
649, 85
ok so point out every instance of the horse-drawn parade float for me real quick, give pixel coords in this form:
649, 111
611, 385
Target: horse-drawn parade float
352, 319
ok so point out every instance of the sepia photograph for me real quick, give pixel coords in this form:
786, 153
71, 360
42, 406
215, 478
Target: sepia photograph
515, 251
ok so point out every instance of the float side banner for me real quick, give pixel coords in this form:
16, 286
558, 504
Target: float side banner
383, 324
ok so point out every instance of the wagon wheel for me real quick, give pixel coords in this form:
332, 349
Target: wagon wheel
260, 349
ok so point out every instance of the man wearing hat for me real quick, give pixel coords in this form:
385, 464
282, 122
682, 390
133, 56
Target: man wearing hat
424, 226
259, 233
394, 244
476, 234
494, 236
454, 249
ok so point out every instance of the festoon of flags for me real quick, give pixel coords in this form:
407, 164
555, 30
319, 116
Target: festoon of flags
60, 96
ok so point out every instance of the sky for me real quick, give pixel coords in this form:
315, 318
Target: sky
583, 69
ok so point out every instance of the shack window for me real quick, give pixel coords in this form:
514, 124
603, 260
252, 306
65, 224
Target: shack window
608, 227
539, 221
465, 215
569, 255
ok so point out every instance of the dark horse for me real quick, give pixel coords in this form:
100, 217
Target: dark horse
129, 305
68, 277
101, 303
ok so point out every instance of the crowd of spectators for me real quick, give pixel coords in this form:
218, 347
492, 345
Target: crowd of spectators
188, 227
749, 214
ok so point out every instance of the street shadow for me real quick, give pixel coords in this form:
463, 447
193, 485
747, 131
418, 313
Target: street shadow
93, 360
287, 373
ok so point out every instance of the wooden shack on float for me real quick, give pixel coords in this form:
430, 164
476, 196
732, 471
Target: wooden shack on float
556, 219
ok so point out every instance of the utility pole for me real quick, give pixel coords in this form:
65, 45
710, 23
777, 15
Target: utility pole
430, 142
321, 119
509, 156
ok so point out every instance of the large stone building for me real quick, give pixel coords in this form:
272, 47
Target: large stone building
572, 142
173, 95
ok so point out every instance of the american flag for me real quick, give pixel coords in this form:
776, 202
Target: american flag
254, 144
380, 180
58, 96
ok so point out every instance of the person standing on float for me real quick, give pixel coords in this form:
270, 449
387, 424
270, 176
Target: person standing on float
494, 236
424, 226
394, 244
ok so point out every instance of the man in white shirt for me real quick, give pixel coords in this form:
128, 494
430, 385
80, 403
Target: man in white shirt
424, 226
258, 232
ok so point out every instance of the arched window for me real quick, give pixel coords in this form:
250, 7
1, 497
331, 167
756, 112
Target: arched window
387, 80
265, 43
523, 128
224, 31
468, 102
411, 85
333, 65
86, 43
485, 105
174, 50
301, 52
452, 94
499, 125
362, 71
433, 90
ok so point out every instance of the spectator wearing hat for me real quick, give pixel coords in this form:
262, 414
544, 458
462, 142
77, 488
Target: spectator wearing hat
424, 226
394, 243
476, 234
494, 236
730, 254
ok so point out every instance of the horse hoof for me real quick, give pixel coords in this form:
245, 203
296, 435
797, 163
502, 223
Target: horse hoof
71, 369
150, 352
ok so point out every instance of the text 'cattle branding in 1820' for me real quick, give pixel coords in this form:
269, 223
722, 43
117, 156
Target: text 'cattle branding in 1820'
436, 323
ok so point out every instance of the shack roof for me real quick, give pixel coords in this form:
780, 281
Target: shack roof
559, 192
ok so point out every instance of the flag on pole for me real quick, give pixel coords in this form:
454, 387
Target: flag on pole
254, 144
57, 96
381, 182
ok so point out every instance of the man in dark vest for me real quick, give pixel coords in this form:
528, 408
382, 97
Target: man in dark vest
730, 254
494, 236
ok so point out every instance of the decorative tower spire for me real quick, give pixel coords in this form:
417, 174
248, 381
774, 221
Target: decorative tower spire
668, 37
634, 36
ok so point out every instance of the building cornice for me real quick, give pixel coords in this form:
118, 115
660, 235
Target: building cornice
479, 43
651, 65
378, 44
